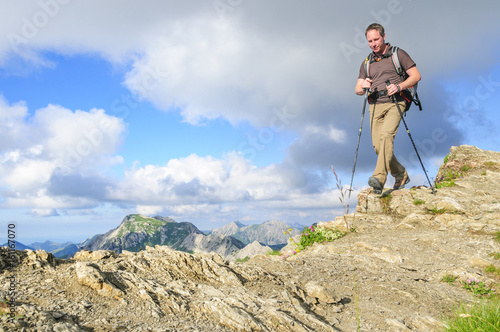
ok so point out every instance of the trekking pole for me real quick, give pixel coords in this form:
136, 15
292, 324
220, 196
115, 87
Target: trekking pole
359, 137
411, 139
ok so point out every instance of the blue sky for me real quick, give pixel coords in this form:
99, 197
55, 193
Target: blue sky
216, 111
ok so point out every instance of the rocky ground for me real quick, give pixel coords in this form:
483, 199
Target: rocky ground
388, 272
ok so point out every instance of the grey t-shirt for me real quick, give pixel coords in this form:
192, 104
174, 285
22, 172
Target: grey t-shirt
383, 70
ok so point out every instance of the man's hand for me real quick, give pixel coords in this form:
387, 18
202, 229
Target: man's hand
363, 85
366, 84
393, 89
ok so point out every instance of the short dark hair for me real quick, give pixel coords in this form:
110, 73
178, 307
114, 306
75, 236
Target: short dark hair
375, 26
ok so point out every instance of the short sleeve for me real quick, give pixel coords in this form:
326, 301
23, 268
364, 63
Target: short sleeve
362, 73
405, 60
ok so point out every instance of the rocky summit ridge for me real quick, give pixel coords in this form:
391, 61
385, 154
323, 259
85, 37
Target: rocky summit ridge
388, 272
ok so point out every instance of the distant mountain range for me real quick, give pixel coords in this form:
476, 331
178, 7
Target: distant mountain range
271, 233
59, 250
19, 246
135, 232
49, 246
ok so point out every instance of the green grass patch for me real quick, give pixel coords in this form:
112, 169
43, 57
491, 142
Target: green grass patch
445, 184
497, 236
490, 269
445, 160
483, 316
418, 201
465, 168
495, 255
310, 235
449, 278
436, 211
314, 234
274, 252
449, 175
386, 203
243, 260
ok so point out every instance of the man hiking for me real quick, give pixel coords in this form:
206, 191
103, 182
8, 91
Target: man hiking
384, 114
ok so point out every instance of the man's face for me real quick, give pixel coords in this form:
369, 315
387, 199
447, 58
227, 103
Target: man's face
376, 41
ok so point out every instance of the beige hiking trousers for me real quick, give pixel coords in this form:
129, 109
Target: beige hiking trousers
384, 124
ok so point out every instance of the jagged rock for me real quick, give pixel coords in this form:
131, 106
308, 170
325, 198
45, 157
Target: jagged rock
40, 259
448, 204
314, 289
479, 262
94, 255
90, 275
341, 223
461, 205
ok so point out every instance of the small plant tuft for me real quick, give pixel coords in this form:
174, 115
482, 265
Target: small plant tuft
386, 203
311, 235
465, 168
445, 184
243, 260
436, 211
449, 278
275, 252
418, 201
490, 269
476, 287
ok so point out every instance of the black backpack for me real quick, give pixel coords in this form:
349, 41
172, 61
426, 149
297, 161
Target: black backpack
410, 95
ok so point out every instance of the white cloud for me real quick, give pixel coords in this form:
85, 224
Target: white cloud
77, 140
330, 132
26, 176
54, 141
149, 209
211, 69
44, 213
204, 186
12, 127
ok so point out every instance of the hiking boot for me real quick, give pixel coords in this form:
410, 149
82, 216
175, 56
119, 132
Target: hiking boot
400, 183
376, 185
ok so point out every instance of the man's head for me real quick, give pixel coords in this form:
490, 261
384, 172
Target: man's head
375, 35
375, 26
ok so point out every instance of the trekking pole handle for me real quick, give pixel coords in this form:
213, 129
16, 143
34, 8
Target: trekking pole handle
387, 83
367, 89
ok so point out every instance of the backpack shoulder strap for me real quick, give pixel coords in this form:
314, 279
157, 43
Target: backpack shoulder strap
367, 64
395, 61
